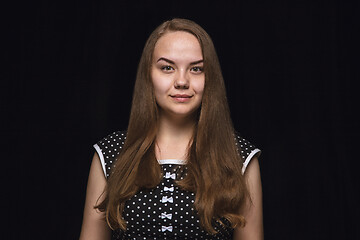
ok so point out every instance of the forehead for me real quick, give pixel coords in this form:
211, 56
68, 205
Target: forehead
178, 44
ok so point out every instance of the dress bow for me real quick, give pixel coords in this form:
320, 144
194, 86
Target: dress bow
171, 189
168, 175
164, 215
165, 228
167, 199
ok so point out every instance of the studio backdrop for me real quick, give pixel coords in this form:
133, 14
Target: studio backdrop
290, 74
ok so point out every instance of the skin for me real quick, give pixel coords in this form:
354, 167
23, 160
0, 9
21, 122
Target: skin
253, 229
177, 71
179, 82
94, 227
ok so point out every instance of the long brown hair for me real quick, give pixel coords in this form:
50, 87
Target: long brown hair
213, 169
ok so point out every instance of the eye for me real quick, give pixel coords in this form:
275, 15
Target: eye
167, 68
197, 69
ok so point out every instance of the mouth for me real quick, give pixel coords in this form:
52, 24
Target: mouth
181, 97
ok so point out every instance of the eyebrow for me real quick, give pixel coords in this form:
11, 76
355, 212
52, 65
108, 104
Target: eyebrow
172, 62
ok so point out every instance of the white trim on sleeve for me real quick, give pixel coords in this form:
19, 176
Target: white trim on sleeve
247, 160
101, 156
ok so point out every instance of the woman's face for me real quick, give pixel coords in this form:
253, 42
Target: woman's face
177, 74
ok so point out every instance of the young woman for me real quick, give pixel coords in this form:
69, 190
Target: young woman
180, 171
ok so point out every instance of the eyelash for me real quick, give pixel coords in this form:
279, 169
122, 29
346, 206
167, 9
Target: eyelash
197, 69
170, 68
167, 68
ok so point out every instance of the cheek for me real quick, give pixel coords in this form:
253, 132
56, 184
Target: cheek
160, 85
155, 81
199, 86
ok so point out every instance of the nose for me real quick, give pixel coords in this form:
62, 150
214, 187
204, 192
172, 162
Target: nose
181, 80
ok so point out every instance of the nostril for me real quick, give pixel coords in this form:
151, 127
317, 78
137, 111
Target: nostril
181, 84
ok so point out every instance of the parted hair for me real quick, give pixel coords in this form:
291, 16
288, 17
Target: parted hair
213, 169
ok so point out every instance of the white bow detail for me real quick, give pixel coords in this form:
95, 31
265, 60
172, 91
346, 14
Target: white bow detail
168, 175
171, 189
165, 228
166, 199
164, 215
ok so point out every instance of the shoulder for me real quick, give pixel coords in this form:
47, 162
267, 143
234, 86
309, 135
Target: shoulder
112, 140
247, 150
109, 148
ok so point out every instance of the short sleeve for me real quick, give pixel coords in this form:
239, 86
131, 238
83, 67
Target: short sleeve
247, 150
108, 149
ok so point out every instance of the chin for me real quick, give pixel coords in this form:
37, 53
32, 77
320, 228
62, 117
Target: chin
181, 113
184, 114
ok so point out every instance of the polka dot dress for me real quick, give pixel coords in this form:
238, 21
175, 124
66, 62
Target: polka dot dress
165, 212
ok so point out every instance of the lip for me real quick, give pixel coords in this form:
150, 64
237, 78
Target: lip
181, 97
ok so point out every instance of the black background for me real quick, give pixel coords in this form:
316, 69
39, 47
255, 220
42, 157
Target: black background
290, 69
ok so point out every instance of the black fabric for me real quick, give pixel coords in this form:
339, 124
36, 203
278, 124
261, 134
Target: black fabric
110, 147
112, 144
165, 212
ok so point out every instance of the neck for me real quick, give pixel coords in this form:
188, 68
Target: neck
176, 127
174, 136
